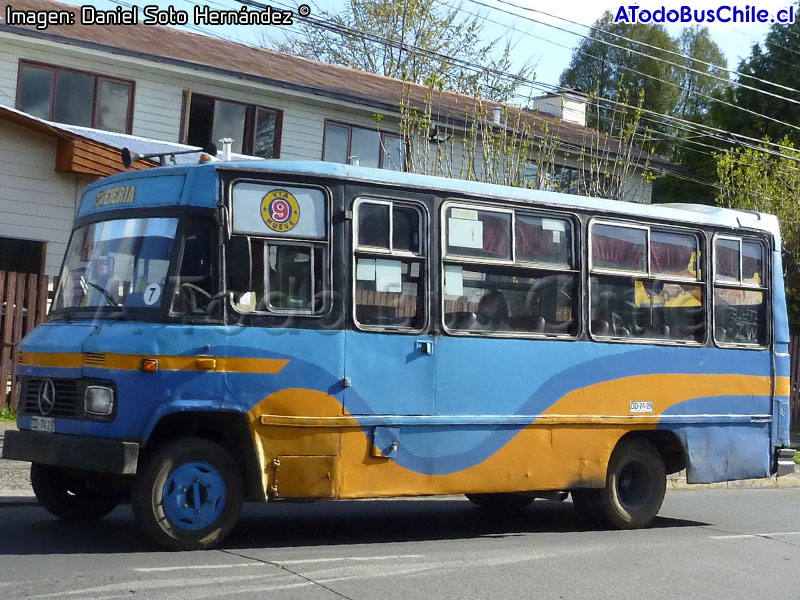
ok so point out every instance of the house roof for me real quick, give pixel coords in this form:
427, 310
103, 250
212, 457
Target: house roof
90, 151
179, 47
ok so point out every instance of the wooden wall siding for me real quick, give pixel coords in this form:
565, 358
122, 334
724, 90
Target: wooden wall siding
24, 300
794, 387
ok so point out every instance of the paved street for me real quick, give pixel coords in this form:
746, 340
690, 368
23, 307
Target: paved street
708, 543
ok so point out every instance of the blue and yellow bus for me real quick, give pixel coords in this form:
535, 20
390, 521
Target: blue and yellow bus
277, 330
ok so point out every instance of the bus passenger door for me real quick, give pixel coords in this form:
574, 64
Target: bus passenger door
389, 348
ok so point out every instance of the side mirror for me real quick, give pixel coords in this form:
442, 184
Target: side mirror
239, 264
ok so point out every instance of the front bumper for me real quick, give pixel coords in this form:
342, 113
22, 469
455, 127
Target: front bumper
101, 455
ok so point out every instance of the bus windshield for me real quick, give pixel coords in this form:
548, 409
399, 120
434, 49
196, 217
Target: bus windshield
118, 264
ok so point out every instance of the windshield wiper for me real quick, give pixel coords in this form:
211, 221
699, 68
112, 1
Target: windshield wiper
106, 294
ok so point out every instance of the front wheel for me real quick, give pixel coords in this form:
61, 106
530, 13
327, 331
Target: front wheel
70, 495
189, 494
635, 485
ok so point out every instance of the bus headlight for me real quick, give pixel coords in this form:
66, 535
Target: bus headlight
99, 400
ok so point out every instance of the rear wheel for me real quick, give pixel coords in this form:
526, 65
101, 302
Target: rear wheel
502, 501
189, 494
70, 495
635, 485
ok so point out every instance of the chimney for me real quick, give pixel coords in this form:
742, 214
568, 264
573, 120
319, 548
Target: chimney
568, 105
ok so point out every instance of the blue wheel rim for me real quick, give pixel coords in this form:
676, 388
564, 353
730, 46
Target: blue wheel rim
194, 496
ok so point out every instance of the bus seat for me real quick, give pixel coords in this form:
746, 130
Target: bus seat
600, 327
460, 320
563, 327
528, 323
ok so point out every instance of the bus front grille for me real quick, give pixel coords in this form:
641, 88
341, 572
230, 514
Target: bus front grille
68, 400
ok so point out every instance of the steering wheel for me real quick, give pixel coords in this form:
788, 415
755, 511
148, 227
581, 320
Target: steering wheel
190, 293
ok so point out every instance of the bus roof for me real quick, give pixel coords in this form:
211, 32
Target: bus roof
696, 214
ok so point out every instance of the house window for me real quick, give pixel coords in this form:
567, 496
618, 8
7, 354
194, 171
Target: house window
254, 129
75, 97
371, 147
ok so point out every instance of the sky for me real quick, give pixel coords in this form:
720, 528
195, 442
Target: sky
538, 43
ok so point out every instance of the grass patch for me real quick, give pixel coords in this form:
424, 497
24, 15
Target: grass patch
797, 458
6, 414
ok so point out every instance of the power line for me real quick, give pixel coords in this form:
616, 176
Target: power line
644, 54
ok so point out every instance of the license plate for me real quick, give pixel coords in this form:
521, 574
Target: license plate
47, 424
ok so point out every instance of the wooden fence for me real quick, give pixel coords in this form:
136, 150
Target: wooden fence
24, 299
794, 386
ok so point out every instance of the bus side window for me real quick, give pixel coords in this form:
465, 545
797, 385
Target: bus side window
740, 294
287, 277
526, 281
196, 283
645, 284
390, 266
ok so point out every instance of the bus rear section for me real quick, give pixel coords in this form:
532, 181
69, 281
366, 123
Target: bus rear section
280, 331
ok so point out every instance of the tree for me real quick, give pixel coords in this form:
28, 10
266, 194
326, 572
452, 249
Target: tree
703, 78
775, 60
762, 180
606, 70
400, 28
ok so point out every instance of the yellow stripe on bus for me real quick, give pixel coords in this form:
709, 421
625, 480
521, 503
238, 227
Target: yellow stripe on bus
133, 362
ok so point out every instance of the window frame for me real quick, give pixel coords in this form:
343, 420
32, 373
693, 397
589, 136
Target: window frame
528, 266
98, 78
701, 266
764, 288
325, 243
423, 257
381, 147
250, 121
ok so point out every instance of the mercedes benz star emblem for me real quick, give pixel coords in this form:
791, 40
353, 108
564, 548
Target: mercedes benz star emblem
47, 396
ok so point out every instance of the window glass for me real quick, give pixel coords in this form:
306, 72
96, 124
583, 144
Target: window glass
543, 240
390, 292
405, 229
752, 263
112, 108
366, 145
285, 278
673, 254
290, 277
74, 98
740, 316
478, 233
337, 139
618, 248
196, 284
394, 153
266, 122
373, 225
229, 123
37, 86
506, 299
629, 307
726, 260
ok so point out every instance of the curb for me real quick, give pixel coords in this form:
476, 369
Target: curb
678, 482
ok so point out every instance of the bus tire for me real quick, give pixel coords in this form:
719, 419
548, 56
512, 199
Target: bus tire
502, 501
635, 485
69, 496
188, 495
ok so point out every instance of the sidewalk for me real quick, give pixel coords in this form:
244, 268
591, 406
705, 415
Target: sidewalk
15, 484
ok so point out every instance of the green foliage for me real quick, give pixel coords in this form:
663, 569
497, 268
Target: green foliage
756, 179
428, 24
603, 69
775, 60
6, 414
